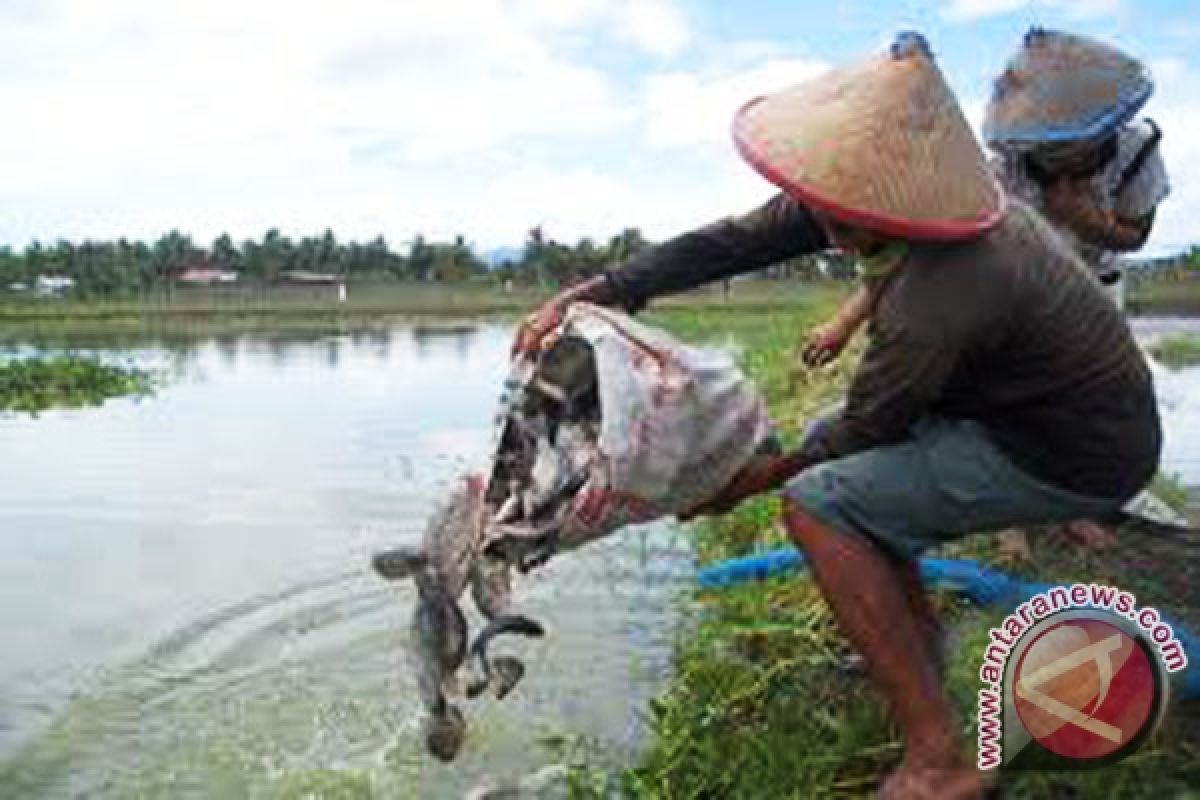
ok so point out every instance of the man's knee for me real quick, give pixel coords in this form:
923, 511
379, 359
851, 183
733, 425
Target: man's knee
819, 497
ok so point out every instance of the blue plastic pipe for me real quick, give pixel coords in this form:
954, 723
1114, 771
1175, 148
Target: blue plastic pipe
982, 585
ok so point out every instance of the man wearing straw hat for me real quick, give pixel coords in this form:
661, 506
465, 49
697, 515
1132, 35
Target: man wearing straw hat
1000, 387
1060, 120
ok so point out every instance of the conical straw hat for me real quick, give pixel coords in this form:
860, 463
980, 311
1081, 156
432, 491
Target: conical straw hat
1060, 88
882, 145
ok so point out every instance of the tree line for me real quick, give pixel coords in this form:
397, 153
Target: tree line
124, 266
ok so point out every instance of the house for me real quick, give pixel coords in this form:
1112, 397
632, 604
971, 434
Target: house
53, 285
207, 276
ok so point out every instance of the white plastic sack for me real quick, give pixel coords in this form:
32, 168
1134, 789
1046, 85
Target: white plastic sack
677, 424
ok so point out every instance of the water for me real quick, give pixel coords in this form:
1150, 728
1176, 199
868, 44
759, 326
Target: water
185, 603
1179, 402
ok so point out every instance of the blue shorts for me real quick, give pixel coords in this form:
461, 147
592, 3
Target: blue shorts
948, 480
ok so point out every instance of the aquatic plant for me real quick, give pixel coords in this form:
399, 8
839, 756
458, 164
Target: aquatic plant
1178, 350
35, 384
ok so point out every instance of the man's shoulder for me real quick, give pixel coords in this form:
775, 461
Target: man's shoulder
945, 289
983, 277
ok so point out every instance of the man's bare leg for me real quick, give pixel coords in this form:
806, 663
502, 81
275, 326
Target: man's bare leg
926, 616
1089, 535
868, 597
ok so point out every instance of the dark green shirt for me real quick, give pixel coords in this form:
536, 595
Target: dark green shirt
1008, 329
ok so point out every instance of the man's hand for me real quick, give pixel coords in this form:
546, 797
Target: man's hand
825, 343
531, 336
761, 475
1071, 202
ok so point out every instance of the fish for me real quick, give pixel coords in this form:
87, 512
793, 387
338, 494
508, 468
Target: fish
547, 447
547, 425
448, 561
438, 632
503, 673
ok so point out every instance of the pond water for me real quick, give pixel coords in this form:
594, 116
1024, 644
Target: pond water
1179, 402
185, 602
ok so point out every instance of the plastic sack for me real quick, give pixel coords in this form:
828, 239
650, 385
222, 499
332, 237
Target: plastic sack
676, 423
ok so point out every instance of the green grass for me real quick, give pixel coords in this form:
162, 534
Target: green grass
373, 300
758, 707
1164, 296
36, 384
1178, 350
1169, 488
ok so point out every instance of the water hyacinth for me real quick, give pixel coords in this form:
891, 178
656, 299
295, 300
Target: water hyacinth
35, 384
1178, 351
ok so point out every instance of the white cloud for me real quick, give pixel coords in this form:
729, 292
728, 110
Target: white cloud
968, 10
150, 116
974, 109
1176, 109
1087, 9
657, 26
561, 14
971, 10
481, 117
1170, 70
684, 109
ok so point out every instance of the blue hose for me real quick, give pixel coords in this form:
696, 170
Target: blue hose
982, 585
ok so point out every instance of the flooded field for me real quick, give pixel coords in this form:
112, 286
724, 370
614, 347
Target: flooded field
1179, 402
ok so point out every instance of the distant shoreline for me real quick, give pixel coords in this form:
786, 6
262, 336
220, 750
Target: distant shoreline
291, 305
242, 306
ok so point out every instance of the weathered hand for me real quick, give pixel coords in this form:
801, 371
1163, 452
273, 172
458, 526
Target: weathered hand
757, 477
825, 343
531, 336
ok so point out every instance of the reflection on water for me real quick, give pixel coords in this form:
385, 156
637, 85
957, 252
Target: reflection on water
184, 600
1179, 401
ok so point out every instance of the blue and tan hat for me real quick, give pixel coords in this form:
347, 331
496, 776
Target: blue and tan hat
882, 145
1061, 88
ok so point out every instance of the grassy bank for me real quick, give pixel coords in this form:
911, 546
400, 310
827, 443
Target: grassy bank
1178, 350
193, 315
362, 301
758, 706
1164, 297
37, 384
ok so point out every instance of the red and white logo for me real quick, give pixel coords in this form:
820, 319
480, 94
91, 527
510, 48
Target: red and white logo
1085, 689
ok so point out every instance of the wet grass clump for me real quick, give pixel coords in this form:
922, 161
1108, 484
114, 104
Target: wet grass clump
67, 381
1178, 351
1169, 488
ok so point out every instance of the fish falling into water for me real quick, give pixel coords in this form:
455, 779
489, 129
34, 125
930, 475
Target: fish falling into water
548, 425
447, 561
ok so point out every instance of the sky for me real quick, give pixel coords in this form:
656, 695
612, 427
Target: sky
474, 117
